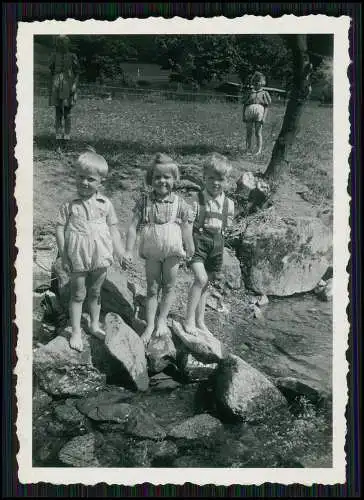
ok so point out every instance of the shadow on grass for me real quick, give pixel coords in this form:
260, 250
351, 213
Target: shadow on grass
109, 146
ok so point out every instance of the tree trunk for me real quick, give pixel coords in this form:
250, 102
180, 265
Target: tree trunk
299, 94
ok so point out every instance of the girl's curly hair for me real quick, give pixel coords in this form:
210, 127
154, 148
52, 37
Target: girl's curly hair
165, 160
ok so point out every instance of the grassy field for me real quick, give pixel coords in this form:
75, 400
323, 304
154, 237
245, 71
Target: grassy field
128, 134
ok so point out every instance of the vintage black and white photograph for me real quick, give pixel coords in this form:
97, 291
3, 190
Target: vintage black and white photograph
186, 246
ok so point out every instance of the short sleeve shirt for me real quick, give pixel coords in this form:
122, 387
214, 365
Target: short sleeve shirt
161, 211
215, 206
96, 207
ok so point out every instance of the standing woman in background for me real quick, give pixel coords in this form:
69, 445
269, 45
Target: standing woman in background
255, 111
64, 68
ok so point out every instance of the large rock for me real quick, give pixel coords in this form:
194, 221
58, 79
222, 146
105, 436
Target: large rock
80, 452
127, 347
243, 392
197, 427
204, 346
116, 296
293, 388
284, 256
231, 272
109, 396
251, 191
150, 453
69, 415
161, 352
193, 369
45, 253
45, 451
61, 284
123, 417
324, 290
38, 314
142, 425
163, 382
41, 400
63, 371
108, 412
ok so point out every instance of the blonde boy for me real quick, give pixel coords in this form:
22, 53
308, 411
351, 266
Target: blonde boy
214, 213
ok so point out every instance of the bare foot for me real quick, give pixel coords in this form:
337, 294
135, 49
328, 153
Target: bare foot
161, 329
76, 341
258, 153
190, 329
147, 335
201, 326
97, 331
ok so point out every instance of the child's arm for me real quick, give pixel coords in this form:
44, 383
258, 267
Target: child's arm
131, 236
62, 220
116, 243
187, 237
60, 244
112, 222
187, 217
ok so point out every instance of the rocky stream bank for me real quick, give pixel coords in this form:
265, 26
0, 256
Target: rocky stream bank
184, 402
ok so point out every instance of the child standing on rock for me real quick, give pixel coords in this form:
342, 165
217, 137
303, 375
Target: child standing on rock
214, 213
166, 239
255, 111
87, 238
64, 68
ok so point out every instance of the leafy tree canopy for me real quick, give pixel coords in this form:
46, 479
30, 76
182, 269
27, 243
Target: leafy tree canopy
195, 59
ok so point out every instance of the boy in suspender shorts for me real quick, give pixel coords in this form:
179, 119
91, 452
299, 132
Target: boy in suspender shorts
214, 213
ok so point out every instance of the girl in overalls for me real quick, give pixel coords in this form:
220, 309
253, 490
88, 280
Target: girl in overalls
64, 68
165, 221
88, 240
255, 111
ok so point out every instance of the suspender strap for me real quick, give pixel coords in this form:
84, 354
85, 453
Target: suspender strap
225, 209
201, 211
179, 208
200, 219
145, 209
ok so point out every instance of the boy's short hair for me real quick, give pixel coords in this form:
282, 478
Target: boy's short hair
217, 163
90, 160
165, 160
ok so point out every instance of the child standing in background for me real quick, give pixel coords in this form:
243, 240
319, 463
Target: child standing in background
166, 238
214, 213
64, 69
255, 111
87, 239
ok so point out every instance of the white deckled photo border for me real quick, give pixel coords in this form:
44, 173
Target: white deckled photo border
339, 27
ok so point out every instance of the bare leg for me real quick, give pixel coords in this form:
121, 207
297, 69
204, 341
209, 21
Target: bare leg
67, 123
169, 272
78, 295
259, 137
97, 279
200, 311
58, 126
153, 270
249, 134
199, 284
